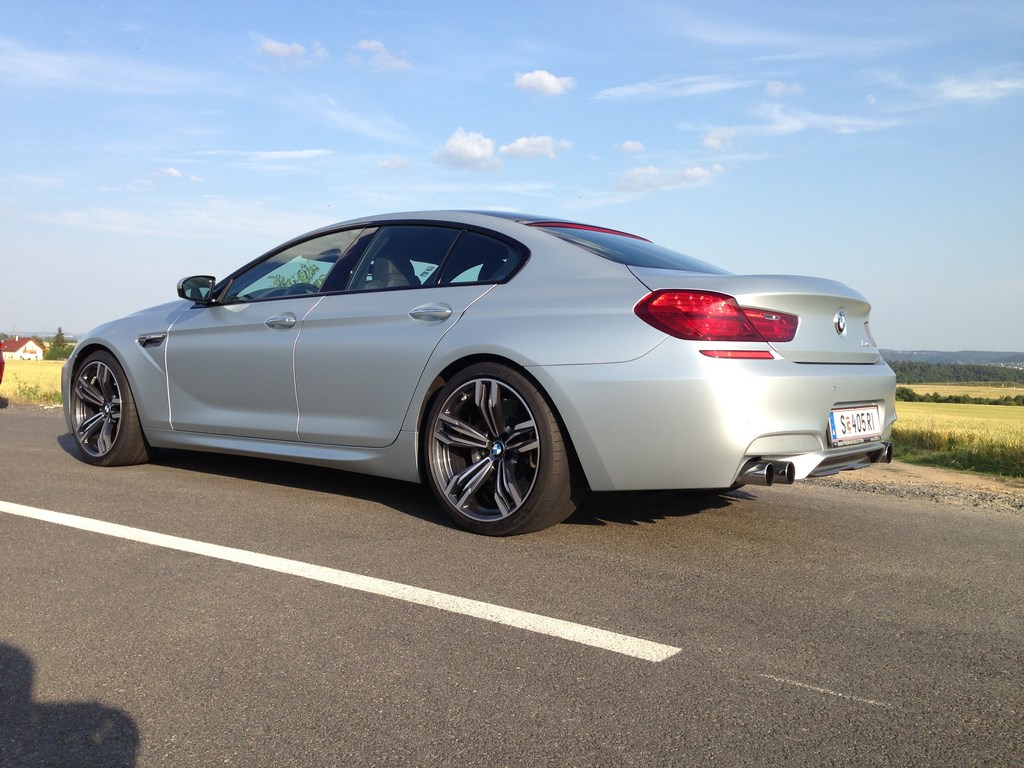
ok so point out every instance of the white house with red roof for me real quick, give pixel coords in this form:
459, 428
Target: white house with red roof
22, 349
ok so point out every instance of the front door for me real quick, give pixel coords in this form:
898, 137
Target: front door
230, 368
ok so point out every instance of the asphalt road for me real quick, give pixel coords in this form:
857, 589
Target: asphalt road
814, 626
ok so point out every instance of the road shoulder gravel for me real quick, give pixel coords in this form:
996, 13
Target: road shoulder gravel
946, 486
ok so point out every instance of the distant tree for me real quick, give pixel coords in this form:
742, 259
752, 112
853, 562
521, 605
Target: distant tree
948, 373
59, 348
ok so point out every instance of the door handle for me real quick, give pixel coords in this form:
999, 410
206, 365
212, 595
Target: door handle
280, 322
431, 312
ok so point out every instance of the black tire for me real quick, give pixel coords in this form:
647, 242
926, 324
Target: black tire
104, 420
495, 456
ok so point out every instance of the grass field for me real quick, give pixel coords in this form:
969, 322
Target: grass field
32, 381
979, 438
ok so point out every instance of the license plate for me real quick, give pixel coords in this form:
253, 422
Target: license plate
857, 424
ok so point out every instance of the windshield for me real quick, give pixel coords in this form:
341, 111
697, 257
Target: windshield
629, 250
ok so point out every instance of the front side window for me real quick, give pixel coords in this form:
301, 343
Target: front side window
296, 271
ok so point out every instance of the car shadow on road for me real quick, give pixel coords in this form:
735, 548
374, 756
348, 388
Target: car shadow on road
45, 734
638, 507
411, 499
416, 500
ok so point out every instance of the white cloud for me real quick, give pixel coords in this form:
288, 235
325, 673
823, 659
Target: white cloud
292, 53
36, 181
780, 122
790, 122
982, 86
273, 154
650, 178
674, 88
468, 150
775, 44
289, 154
631, 147
777, 88
280, 50
377, 127
174, 173
978, 89
395, 163
544, 83
374, 54
535, 146
23, 66
719, 138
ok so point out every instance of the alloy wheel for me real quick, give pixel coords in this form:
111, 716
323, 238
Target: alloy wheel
485, 450
96, 408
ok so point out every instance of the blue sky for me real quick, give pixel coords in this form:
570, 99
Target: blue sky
878, 143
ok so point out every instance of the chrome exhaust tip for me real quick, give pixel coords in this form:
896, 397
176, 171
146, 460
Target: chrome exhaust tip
785, 472
883, 456
767, 473
757, 473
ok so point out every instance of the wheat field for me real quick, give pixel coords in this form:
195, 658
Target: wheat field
32, 381
984, 438
990, 391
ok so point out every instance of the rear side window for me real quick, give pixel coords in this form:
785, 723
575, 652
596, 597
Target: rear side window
631, 251
403, 256
478, 258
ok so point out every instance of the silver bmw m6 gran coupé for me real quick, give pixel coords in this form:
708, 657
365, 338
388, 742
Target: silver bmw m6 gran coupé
512, 362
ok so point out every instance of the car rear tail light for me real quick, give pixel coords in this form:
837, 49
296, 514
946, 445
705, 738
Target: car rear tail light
709, 316
773, 326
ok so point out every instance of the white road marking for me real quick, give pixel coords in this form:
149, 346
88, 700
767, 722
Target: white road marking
827, 691
533, 622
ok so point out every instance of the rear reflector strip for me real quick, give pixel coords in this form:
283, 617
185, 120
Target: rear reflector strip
739, 354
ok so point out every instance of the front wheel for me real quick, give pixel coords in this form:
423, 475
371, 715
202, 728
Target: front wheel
496, 458
104, 421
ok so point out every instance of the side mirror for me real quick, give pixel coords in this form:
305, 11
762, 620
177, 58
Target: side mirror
198, 288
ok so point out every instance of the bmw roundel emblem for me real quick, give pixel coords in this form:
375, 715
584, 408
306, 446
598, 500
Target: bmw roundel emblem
840, 321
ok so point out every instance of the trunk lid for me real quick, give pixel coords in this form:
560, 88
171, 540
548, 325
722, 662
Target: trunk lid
833, 325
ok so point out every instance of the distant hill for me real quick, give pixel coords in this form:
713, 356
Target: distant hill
966, 357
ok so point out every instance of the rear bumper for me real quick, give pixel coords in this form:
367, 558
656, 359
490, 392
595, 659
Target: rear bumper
769, 470
674, 419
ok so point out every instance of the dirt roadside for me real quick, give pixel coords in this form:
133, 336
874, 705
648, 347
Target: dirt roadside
942, 485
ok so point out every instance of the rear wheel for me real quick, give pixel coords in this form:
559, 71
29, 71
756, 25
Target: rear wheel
496, 457
104, 421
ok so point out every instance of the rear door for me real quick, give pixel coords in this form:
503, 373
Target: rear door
361, 353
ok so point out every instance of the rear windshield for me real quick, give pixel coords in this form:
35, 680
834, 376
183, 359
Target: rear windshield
631, 251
